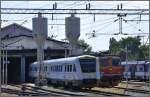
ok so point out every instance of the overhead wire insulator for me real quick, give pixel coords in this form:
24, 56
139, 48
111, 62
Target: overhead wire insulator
140, 23
140, 18
52, 27
117, 7
121, 6
88, 6
94, 18
55, 5
52, 17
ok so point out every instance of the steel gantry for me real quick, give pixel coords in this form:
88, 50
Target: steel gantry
75, 11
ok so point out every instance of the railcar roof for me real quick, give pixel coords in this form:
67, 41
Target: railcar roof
133, 62
67, 59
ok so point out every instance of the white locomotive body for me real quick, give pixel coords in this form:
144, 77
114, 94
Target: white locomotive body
77, 71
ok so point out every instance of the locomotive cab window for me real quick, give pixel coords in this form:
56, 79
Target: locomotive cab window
103, 62
116, 62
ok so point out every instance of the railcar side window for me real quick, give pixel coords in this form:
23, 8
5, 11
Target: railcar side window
58, 68
141, 69
54, 68
74, 68
70, 68
61, 68
67, 68
51, 68
35, 69
45, 68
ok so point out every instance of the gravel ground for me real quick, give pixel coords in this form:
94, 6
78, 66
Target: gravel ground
83, 93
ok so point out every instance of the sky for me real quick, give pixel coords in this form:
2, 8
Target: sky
102, 23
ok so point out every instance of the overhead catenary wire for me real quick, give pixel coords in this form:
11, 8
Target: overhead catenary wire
135, 27
115, 30
74, 4
104, 24
99, 24
106, 20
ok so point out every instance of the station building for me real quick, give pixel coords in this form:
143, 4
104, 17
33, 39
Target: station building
22, 51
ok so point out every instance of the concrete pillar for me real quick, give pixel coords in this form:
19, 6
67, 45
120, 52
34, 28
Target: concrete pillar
22, 69
98, 71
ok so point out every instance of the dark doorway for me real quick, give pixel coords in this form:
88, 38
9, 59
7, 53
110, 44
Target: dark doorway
29, 60
14, 70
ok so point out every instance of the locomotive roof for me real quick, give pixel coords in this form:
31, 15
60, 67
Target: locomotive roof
109, 56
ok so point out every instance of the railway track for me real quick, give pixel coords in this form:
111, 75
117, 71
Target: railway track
136, 83
39, 91
104, 93
94, 92
57, 93
133, 90
19, 92
49, 92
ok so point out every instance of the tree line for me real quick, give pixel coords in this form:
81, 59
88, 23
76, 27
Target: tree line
130, 46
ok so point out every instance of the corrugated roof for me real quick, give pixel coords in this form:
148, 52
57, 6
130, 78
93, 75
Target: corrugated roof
16, 30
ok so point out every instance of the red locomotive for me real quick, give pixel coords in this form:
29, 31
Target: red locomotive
111, 71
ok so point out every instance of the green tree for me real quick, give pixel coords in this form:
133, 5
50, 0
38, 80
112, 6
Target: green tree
114, 48
131, 43
85, 46
145, 51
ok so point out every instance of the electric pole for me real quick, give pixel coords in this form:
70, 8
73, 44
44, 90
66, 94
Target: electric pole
0, 48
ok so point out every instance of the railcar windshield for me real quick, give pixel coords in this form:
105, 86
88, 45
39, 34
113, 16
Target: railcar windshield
88, 65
